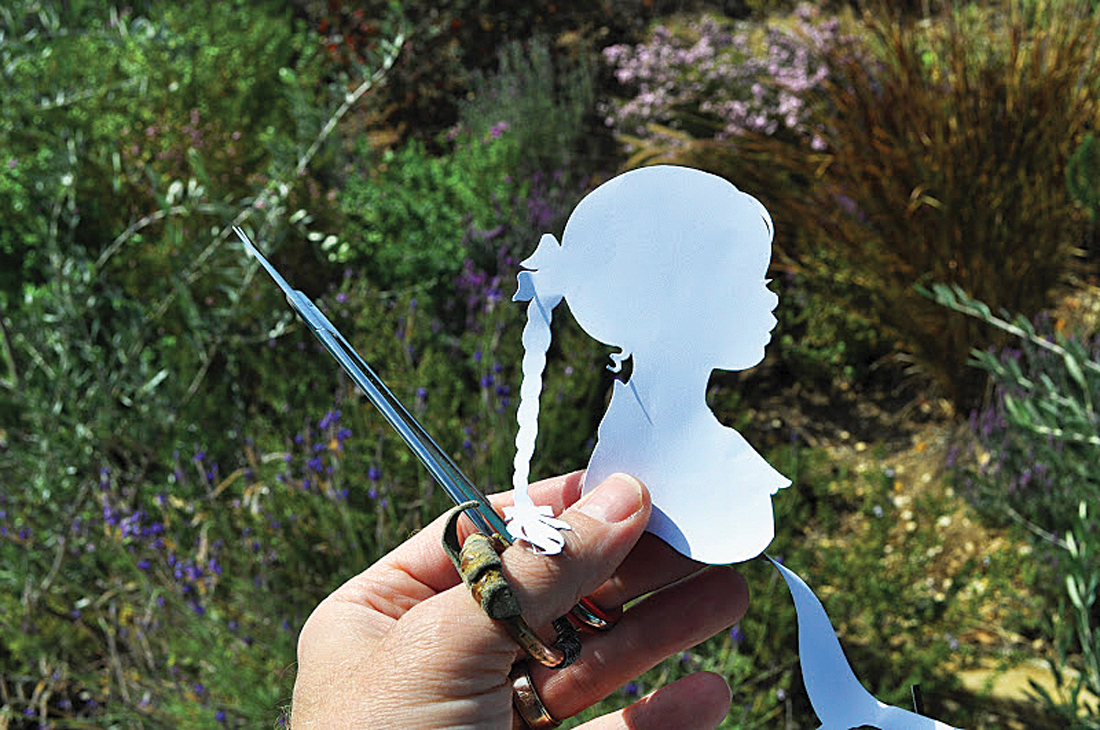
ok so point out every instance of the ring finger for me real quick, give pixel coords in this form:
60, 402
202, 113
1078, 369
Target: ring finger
661, 625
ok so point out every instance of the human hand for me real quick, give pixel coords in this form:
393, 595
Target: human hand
404, 644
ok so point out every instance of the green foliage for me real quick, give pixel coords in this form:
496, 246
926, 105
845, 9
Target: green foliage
540, 103
1083, 175
125, 330
1034, 462
448, 42
1039, 436
205, 88
417, 216
413, 219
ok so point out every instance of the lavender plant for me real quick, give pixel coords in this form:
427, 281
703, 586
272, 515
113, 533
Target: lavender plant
540, 98
111, 570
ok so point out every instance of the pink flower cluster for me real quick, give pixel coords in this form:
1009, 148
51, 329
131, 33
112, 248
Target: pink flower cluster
711, 80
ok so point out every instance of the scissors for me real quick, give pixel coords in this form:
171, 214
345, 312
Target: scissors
457, 486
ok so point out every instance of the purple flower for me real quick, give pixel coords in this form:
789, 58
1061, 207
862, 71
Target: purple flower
736, 634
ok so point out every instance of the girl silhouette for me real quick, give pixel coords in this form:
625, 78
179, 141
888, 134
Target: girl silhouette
667, 264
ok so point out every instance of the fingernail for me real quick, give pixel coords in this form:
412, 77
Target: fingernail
617, 498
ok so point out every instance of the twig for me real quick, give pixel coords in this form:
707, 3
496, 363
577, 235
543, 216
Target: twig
261, 200
145, 221
13, 382
1035, 529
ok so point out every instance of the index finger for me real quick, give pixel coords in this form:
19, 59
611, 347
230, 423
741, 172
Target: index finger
418, 568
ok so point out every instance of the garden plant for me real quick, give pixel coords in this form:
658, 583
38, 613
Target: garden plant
184, 475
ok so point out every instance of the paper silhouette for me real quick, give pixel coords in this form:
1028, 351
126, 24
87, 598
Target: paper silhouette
668, 264
838, 698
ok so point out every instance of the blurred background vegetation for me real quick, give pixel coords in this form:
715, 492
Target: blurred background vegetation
183, 474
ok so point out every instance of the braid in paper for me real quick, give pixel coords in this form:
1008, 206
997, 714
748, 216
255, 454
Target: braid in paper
526, 521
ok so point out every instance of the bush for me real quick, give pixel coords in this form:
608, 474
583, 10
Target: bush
125, 330
1032, 462
942, 167
939, 164
542, 102
412, 220
449, 42
711, 78
206, 106
1083, 175
415, 216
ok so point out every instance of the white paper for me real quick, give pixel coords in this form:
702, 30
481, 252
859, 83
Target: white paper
838, 698
669, 265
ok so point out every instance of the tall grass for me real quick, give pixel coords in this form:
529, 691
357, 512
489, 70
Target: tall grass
946, 143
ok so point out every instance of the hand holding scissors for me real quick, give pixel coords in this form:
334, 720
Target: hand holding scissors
401, 644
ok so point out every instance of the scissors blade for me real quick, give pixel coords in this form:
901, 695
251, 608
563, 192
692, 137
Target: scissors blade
445, 472
457, 486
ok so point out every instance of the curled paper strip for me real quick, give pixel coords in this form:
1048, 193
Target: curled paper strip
837, 696
537, 526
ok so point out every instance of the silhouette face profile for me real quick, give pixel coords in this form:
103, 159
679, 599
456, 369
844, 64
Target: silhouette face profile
668, 264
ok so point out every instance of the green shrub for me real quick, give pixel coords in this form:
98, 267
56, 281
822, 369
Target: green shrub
414, 215
1083, 175
411, 220
543, 103
126, 330
209, 91
449, 41
1032, 462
